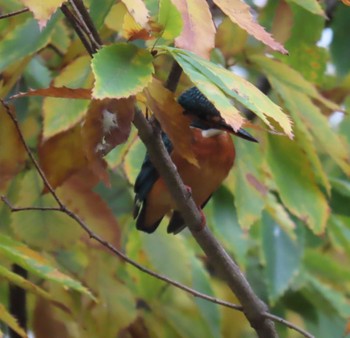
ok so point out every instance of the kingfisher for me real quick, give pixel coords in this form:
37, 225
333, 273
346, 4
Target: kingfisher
215, 152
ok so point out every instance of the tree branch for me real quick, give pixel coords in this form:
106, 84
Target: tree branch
62, 208
8, 15
253, 307
75, 24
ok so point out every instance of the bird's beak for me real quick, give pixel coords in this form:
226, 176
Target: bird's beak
245, 135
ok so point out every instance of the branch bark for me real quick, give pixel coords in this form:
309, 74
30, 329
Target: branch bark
253, 307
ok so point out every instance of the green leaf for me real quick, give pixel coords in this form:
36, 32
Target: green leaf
37, 74
168, 257
61, 38
24, 40
310, 5
232, 85
228, 111
310, 61
99, 10
185, 323
283, 74
133, 160
326, 298
11, 321
61, 114
281, 216
307, 27
209, 311
319, 127
248, 183
121, 70
306, 141
23, 283
339, 232
282, 256
295, 183
326, 268
35, 263
170, 19
341, 185
326, 325
43, 229
227, 226
340, 47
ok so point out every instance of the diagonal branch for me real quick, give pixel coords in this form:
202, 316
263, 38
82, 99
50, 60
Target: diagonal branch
62, 208
253, 307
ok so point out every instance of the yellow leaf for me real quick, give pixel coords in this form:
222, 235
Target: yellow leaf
11, 321
137, 10
239, 12
42, 10
198, 33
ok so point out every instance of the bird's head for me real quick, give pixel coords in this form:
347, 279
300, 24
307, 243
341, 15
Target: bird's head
205, 116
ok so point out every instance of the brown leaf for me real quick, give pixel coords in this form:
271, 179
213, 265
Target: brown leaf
76, 193
198, 33
44, 322
107, 124
12, 153
239, 12
170, 115
62, 92
282, 22
62, 155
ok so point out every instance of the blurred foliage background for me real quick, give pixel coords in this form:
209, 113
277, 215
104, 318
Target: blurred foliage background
283, 213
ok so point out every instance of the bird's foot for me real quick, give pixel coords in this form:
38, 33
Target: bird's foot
189, 190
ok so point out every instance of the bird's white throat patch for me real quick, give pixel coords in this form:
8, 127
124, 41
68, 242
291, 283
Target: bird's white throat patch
211, 132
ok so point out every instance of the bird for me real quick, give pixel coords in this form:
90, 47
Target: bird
213, 147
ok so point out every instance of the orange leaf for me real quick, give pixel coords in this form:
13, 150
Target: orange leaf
62, 155
170, 115
198, 33
239, 12
106, 125
12, 153
346, 2
62, 92
76, 193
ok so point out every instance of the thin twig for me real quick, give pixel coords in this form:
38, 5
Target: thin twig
30, 154
289, 324
73, 21
121, 255
62, 208
87, 24
8, 15
17, 209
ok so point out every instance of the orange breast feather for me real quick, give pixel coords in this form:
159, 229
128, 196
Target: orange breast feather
215, 156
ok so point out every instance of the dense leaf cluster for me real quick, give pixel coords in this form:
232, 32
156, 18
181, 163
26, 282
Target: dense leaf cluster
283, 213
